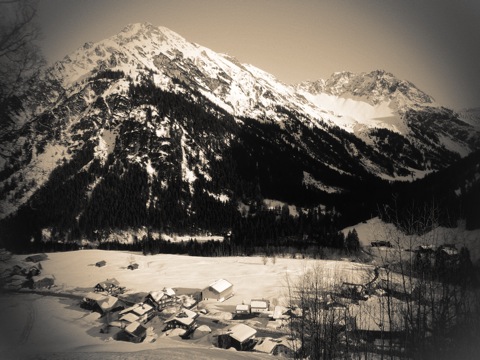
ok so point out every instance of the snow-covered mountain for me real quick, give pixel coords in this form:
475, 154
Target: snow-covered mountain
155, 127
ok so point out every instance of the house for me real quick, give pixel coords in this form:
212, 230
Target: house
109, 304
186, 319
90, 300
258, 306
219, 290
141, 313
161, 299
132, 266
100, 263
239, 336
36, 258
281, 313
136, 332
101, 303
242, 309
284, 346
32, 271
43, 281
110, 286
374, 322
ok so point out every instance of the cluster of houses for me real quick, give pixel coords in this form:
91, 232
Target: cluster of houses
110, 300
27, 274
133, 318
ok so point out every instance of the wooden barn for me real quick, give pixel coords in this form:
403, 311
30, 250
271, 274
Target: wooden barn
219, 290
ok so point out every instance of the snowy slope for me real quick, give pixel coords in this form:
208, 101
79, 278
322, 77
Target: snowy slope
377, 230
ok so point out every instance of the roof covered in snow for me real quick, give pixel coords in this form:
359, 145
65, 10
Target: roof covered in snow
136, 329
220, 285
241, 332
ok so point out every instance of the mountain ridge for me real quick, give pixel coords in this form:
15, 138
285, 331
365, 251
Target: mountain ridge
186, 129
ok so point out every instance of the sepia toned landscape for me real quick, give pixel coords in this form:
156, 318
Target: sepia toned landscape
223, 180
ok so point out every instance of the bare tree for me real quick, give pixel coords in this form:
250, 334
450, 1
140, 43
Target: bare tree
425, 275
20, 57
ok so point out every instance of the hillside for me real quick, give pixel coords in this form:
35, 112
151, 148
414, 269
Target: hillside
145, 129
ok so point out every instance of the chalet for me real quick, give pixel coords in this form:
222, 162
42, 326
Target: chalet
259, 306
186, 319
141, 313
109, 286
43, 281
219, 290
161, 299
242, 309
132, 266
136, 332
36, 258
100, 263
284, 347
239, 336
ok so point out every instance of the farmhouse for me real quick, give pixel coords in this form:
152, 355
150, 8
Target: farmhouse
219, 290
161, 299
284, 346
259, 306
239, 336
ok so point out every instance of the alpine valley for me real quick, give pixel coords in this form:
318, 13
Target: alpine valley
148, 133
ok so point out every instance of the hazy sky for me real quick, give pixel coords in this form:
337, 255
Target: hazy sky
433, 43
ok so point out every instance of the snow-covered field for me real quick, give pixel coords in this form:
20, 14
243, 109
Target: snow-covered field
49, 327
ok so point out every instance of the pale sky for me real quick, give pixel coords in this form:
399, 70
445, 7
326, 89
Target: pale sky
433, 43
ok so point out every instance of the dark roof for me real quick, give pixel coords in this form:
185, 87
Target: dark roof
36, 257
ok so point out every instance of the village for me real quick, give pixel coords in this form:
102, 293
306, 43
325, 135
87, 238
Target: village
355, 308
